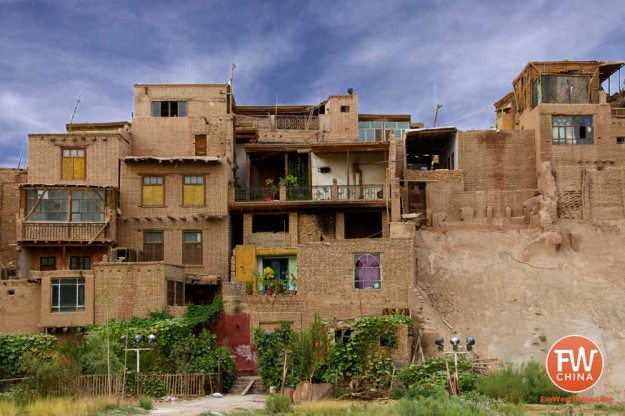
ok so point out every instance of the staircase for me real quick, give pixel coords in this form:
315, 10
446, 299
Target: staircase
243, 382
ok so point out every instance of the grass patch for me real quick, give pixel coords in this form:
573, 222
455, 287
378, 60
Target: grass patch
146, 403
63, 406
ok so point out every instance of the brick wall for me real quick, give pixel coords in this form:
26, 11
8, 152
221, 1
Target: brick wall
175, 136
65, 319
174, 218
9, 204
102, 152
126, 290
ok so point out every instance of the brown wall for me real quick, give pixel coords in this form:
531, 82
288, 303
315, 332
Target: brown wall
9, 203
19, 312
126, 290
65, 319
174, 218
175, 136
102, 152
326, 284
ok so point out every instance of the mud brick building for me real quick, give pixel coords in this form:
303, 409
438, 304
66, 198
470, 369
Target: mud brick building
197, 196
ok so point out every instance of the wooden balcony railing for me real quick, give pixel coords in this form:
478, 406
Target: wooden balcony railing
618, 112
312, 193
37, 231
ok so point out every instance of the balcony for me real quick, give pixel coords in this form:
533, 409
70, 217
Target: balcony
66, 232
324, 194
279, 122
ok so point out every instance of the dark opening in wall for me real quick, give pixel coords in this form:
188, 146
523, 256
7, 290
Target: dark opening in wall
236, 229
620, 140
363, 225
200, 294
11, 292
270, 223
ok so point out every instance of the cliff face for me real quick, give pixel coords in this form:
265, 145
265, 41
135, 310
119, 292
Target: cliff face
519, 291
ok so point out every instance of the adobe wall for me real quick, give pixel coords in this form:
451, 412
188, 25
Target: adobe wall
497, 172
207, 113
126, 290
589, 177
65, 319
497, 160
62, 255
19, 306
9, 203
102, 152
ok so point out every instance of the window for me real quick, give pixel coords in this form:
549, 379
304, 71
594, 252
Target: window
344, 109
73, 164
270, 223
193, 191
370, 131
192, 247
153, 191
153, 246
80, 263
175, 293
169, 108
200, 145
572, 129
47, 263
620, 140
367, 271
62, 205
68, 295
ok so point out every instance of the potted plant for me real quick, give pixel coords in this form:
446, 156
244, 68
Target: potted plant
292, 283
266, 280
274, 190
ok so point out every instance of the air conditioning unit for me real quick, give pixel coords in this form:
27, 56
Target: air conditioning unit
123, 255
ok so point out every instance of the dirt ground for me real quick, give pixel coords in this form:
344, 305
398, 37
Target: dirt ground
216, 405
517, 295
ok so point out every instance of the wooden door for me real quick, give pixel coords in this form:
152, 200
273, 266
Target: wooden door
416, 198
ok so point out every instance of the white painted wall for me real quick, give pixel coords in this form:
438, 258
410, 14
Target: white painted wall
371, 164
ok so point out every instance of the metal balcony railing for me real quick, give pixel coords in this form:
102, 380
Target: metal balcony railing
357, 192
279, 122
255, 194
312, 193
37, 231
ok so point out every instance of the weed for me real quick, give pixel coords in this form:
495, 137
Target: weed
278, 403
146, 403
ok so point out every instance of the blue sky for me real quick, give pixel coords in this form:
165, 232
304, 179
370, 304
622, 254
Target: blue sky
398, 56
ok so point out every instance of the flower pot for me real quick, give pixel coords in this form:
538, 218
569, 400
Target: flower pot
268, 292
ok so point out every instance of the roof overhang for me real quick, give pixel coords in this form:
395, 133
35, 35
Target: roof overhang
182, 159
63, 185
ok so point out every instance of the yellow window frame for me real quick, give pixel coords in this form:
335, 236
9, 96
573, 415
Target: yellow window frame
193, 191
153, 191
73, 164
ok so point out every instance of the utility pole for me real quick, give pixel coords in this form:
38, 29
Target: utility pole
438, 107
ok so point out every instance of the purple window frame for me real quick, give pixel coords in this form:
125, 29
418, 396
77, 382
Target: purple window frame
367, 271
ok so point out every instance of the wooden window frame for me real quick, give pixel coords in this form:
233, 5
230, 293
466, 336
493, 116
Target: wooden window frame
184, 186
80, 261
188, 259
162, 244
47, 267
143, 185
205, 138
83, 157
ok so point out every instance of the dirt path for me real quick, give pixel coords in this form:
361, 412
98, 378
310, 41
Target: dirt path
217, 405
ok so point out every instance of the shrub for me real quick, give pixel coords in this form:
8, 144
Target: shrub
278, 403
433, 372
525, 383
146, 403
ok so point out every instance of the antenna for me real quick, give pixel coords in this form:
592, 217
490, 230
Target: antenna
19, 163
438, 107
74, 113
232, 74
